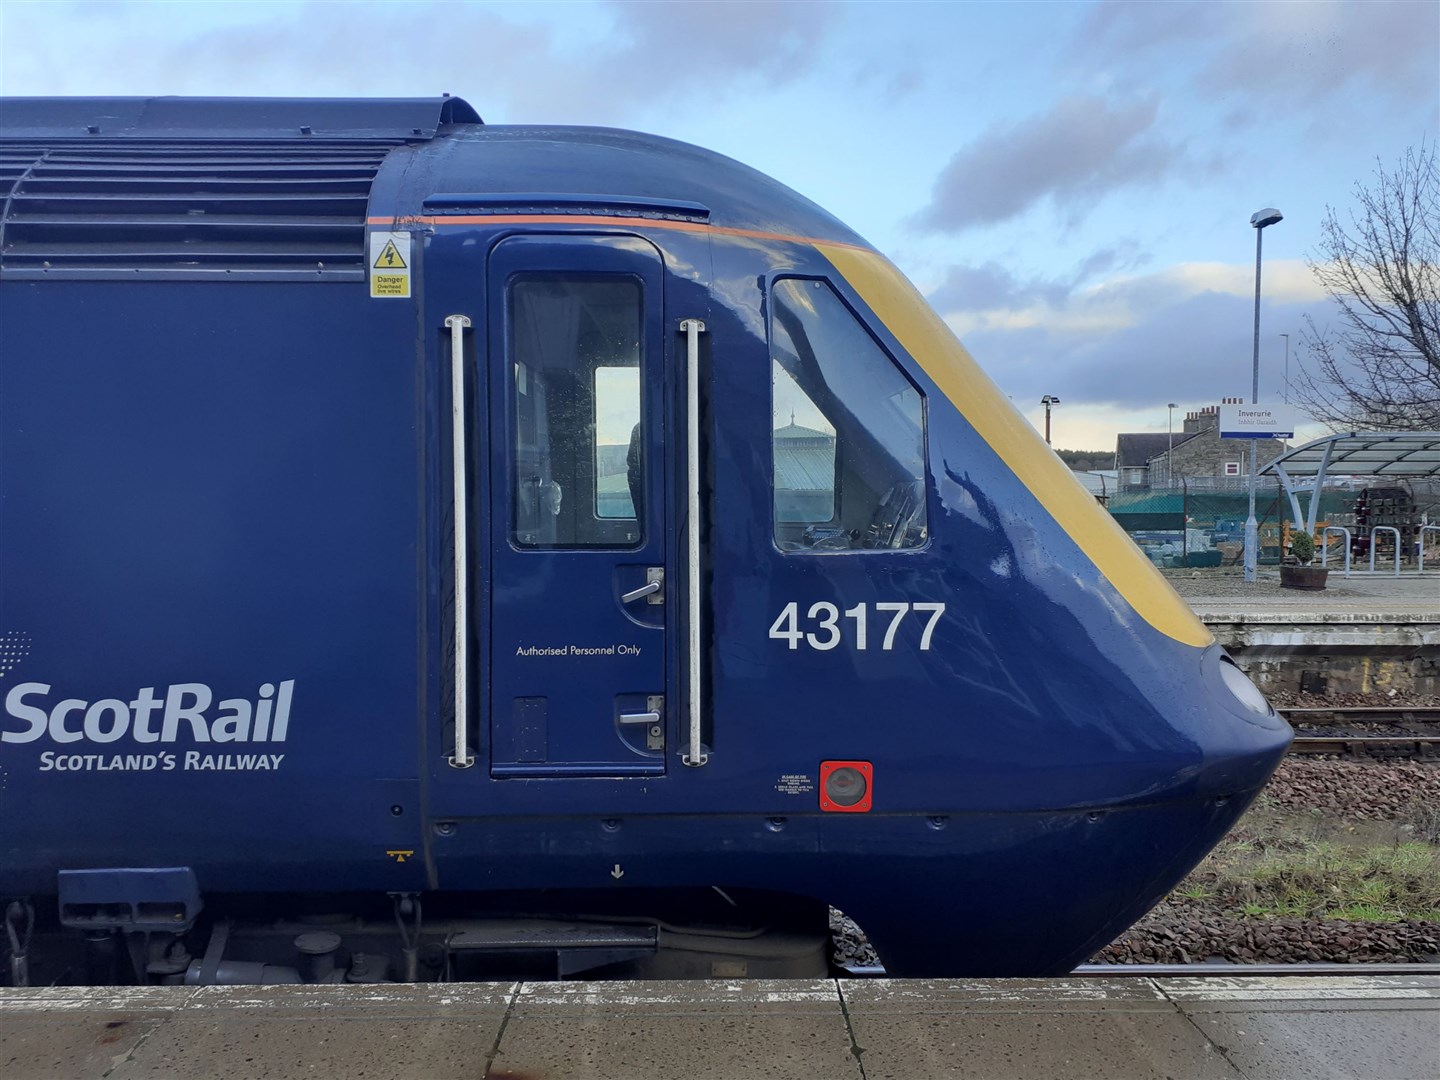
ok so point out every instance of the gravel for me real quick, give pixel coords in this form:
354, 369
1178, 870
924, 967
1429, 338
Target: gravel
851, 946
1357, 790
1178, 931
1393, 699
1174, 933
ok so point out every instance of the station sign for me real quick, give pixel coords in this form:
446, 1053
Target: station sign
1258, 421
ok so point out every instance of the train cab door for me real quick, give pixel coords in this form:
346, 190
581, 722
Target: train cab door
579, 581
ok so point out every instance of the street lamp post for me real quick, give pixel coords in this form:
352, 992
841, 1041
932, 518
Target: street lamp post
1170, 452
1049, 401
1258, 221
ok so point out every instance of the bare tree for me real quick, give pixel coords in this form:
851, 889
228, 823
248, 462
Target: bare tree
1377, 365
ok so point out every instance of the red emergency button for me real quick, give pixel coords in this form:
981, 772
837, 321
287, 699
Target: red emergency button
845, 786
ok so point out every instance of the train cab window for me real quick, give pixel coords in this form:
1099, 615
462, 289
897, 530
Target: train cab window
848, 430
577, 474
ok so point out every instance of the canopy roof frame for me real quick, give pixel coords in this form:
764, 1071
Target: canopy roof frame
1353, 453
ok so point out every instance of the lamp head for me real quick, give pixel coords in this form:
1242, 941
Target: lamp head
1268, 216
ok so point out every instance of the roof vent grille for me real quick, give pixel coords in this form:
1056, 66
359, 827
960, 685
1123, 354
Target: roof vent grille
274, 209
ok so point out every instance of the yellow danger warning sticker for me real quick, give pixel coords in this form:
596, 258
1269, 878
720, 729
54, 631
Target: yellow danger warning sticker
389, 284
390, 258
389, 264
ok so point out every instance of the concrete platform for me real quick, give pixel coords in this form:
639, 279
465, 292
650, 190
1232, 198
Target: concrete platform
1370, 632
1365, 634
1380, 596
1295, 1028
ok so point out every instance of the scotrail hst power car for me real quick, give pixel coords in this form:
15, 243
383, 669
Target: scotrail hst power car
431, 549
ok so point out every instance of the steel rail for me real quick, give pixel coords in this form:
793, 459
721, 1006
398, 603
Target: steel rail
1362, 744
1317, 736
1373, 714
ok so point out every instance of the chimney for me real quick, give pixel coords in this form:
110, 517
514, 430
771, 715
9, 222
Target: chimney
1207, 417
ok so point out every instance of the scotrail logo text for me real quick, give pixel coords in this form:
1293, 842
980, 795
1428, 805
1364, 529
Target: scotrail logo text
183, 711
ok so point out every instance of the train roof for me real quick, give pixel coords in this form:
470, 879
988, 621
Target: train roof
285, 187
222, 119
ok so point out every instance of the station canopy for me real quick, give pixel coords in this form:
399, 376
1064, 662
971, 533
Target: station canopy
1401, 454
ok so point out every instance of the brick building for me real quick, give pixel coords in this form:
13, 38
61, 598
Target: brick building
1199, 456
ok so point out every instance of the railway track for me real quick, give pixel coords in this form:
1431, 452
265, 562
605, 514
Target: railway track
1368, 745
1368, 730
1367, 714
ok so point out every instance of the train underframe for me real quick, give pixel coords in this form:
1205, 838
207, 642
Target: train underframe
409, 937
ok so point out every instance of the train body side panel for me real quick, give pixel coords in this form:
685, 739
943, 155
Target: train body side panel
210, 489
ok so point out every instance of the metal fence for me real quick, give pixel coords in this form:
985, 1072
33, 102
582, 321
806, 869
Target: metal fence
1202, 524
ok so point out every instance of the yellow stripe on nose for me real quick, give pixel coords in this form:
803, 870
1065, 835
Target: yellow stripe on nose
935, 348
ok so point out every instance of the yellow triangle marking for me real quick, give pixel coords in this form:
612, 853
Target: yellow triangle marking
390, 258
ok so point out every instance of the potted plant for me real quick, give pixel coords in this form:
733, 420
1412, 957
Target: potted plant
1296, 572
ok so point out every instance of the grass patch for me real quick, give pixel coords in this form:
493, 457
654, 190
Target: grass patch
1368, 913
1299, 866
1423, 817
1193, 890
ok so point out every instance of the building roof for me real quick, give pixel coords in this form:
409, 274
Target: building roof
793, 430
804, 458
805, 468
1097, 481
1135, 449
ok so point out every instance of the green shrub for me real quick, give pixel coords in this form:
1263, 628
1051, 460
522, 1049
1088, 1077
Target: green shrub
1302, 546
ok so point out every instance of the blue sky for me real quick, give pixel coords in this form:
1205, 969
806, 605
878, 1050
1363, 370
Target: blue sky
1070, 183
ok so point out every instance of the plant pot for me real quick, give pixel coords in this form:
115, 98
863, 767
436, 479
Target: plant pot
1303, 577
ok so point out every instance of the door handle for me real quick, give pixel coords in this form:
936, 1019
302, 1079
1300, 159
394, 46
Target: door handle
653, 720
644, 590
652, 589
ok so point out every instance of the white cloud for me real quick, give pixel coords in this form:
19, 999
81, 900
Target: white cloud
1078, 150
1126, 301
1300, 55
1286, 281
604, 63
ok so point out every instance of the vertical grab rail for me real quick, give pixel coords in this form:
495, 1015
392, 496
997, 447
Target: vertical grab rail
1423, 530
1389, 529
1325, 544
692, 329
457, 324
